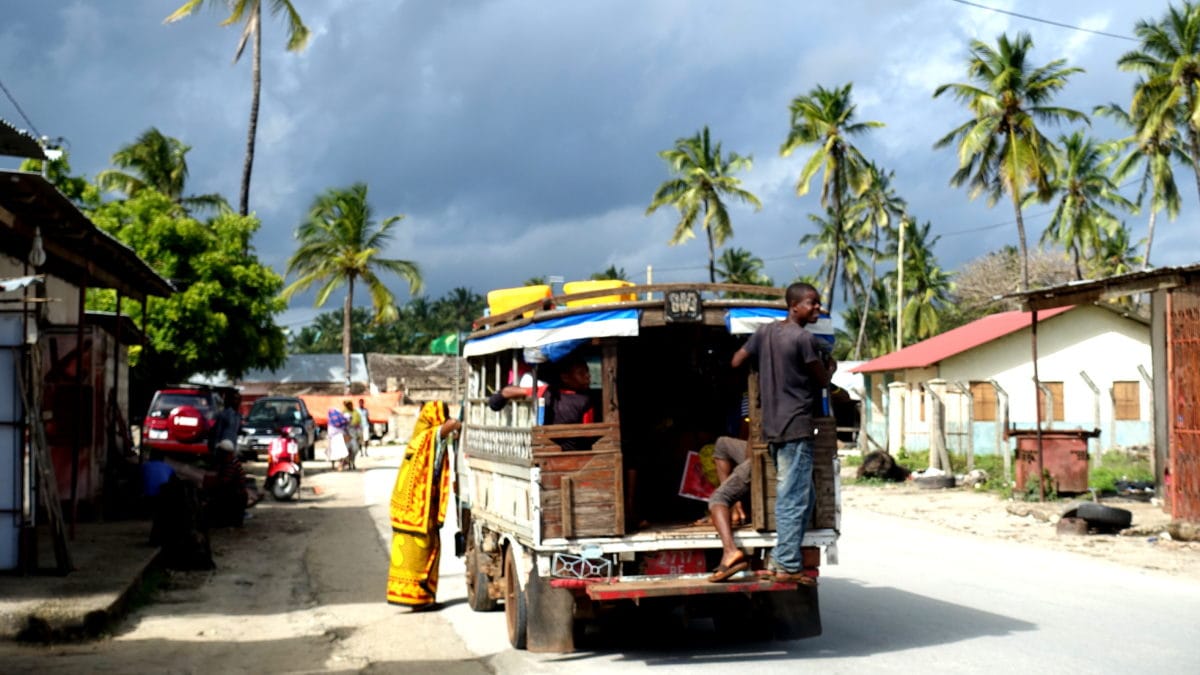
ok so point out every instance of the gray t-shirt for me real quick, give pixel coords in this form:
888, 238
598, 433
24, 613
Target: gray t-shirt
788, 392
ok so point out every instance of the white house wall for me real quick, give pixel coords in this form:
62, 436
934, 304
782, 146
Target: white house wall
1108, 347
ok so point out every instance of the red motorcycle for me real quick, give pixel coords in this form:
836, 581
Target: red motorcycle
283, 465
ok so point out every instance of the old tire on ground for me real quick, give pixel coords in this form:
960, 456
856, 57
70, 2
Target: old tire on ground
477, 582
516, 614
1100, 516
934, 482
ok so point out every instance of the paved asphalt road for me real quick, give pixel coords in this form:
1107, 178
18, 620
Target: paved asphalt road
906, 598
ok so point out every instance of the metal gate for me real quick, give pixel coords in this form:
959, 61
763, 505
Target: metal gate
13, 482
1183, 365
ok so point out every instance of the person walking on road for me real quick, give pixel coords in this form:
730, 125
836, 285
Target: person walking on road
365, 427
792, 370
418, 509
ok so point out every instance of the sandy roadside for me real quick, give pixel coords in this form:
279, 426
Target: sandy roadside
1145, 545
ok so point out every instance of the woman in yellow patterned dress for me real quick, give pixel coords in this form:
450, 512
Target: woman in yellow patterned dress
418, 508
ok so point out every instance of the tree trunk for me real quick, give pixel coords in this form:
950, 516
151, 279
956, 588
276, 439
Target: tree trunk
862, 322
346, 329
837, 245
1075, 257
252, 132
1149, 237
712, 267
1193, 138
1016, 200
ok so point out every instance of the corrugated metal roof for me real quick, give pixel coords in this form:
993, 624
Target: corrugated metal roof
312, 368
16, 143
939, 347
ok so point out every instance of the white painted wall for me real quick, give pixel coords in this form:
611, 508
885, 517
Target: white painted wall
1105, 345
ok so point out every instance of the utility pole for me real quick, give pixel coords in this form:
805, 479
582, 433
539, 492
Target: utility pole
900, 289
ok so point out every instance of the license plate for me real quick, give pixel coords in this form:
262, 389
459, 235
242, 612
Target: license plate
674, 562
158, 434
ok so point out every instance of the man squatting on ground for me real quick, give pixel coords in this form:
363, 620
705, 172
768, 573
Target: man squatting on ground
792, 369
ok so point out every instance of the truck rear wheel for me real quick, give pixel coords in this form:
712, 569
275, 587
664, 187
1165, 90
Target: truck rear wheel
515, 611
478, 581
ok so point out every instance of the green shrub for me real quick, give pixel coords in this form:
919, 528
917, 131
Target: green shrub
1117, 466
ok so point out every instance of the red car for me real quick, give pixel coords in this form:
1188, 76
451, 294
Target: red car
180, 418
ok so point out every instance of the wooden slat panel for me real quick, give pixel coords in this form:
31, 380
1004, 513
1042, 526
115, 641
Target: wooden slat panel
576, 460
566, 507
599, 478
581, 494
762, 493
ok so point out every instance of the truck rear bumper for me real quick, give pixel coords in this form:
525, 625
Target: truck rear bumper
640, 587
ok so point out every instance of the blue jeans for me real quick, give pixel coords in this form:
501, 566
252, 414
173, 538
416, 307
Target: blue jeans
793, 500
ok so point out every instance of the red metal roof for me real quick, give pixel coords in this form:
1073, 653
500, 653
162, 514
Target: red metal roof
928, 352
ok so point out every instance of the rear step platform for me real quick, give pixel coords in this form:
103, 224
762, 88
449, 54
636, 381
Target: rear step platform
633, 590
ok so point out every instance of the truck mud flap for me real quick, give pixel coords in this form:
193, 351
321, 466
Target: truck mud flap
796, 614
551, 617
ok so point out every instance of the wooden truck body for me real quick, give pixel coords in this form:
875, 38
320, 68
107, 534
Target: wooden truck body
563, 536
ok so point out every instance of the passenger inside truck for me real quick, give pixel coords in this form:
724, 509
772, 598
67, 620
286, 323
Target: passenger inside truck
677, 395
570, 398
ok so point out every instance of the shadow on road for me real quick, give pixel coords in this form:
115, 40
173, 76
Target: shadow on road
858, 620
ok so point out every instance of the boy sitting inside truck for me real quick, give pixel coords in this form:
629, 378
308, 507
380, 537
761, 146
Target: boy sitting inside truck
569, 400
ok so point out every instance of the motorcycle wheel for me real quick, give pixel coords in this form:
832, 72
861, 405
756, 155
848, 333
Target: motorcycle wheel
284, 487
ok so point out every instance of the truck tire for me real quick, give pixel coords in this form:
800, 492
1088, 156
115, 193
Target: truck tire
1104, 517
478, 598
516, 613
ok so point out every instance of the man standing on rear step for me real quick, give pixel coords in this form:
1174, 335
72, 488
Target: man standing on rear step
792, 370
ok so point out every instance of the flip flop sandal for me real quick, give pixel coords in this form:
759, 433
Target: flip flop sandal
723, 572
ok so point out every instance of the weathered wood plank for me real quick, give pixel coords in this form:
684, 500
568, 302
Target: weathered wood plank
576, 461
566, 508
597, 479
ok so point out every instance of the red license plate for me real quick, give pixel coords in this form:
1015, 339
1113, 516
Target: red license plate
674, 562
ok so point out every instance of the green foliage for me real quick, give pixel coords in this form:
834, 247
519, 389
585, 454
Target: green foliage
156, 162
222, 318
1001, 150
419, 322
702, 176
1119, 466
613, 272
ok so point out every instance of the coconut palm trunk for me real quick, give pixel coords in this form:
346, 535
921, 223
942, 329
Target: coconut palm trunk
252, 132
1016, 200
866, 308
1149, 237
712, 264
346, 307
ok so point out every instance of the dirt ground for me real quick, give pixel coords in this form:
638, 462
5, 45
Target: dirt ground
1145, 544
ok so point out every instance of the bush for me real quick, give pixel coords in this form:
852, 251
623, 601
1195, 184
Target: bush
1119, 466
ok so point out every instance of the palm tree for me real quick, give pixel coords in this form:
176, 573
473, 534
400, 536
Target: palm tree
1169, 63
155, 162
1156, 143
249, 13
701, 177
927, 286
873, 213
613, 272
340, 244
1086, 195
825, 118
1116, 253
841, 256
739, 266
1001, 150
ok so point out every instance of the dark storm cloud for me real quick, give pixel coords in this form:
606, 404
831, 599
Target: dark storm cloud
521, 138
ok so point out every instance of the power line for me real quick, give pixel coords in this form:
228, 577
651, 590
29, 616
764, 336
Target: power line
1046, 21
16, 105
